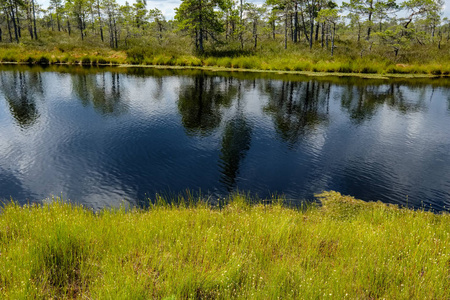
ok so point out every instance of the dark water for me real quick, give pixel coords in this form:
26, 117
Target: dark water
99, 137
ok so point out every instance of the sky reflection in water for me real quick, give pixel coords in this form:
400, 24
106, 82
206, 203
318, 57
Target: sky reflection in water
101, 137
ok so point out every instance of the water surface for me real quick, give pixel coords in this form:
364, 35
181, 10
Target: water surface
103, 136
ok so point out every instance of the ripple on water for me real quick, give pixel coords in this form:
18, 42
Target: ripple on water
104, 138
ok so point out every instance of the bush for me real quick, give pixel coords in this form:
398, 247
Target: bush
345, 67
224, 62
436, 71
101, 61
9, 56
148, 61
136, 55
43, 60
245, 62
210, 61
29, 60
86, 60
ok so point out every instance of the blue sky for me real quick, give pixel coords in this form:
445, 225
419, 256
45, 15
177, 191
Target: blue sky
168, 6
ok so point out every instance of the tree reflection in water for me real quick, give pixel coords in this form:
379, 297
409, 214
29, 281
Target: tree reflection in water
103, 91
297, 107
236, 141
21, 90
200, 103
362, 101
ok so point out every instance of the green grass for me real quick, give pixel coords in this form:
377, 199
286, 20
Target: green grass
303, 60
177, 50
343, 249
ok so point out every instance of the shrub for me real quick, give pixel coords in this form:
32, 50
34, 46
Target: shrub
224, 62
101, 61
29, 59
86, 60
436, 71
302, 66
148, 61
9, 56
43, 60
159, 60
210, 61
136, 55
345, 68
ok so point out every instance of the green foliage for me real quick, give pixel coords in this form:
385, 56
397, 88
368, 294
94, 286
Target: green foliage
200, 18
349, 56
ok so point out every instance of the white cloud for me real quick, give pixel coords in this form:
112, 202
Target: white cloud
168, 7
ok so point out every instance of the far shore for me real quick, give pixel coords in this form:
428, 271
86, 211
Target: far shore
382, 76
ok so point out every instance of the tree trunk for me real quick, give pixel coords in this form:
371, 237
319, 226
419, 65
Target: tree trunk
317, 32
291, 26
30, 22
255, 32
8, 21
100, 20
18, 21
332, 39
274, 28
440, 39
227, 22
370, 19
115, 34
241, 21
196, 39
433, 28
359, 32
13, 17
58, 21
80, 25
311, 32
296, 23
285, 31
34, 21
304, 27
323, 33
200, 34
68, 27
111, 34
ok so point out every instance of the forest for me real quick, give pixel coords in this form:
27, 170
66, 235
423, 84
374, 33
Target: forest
359, 36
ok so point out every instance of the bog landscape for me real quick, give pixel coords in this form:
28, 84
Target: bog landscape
222, 149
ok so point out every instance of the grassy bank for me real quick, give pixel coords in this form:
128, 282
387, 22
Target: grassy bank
343, 249
300, 61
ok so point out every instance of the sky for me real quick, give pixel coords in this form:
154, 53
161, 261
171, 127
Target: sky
168, 7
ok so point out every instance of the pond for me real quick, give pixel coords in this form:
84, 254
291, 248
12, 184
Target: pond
100, 137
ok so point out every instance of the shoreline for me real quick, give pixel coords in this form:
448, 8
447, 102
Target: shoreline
385, 76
